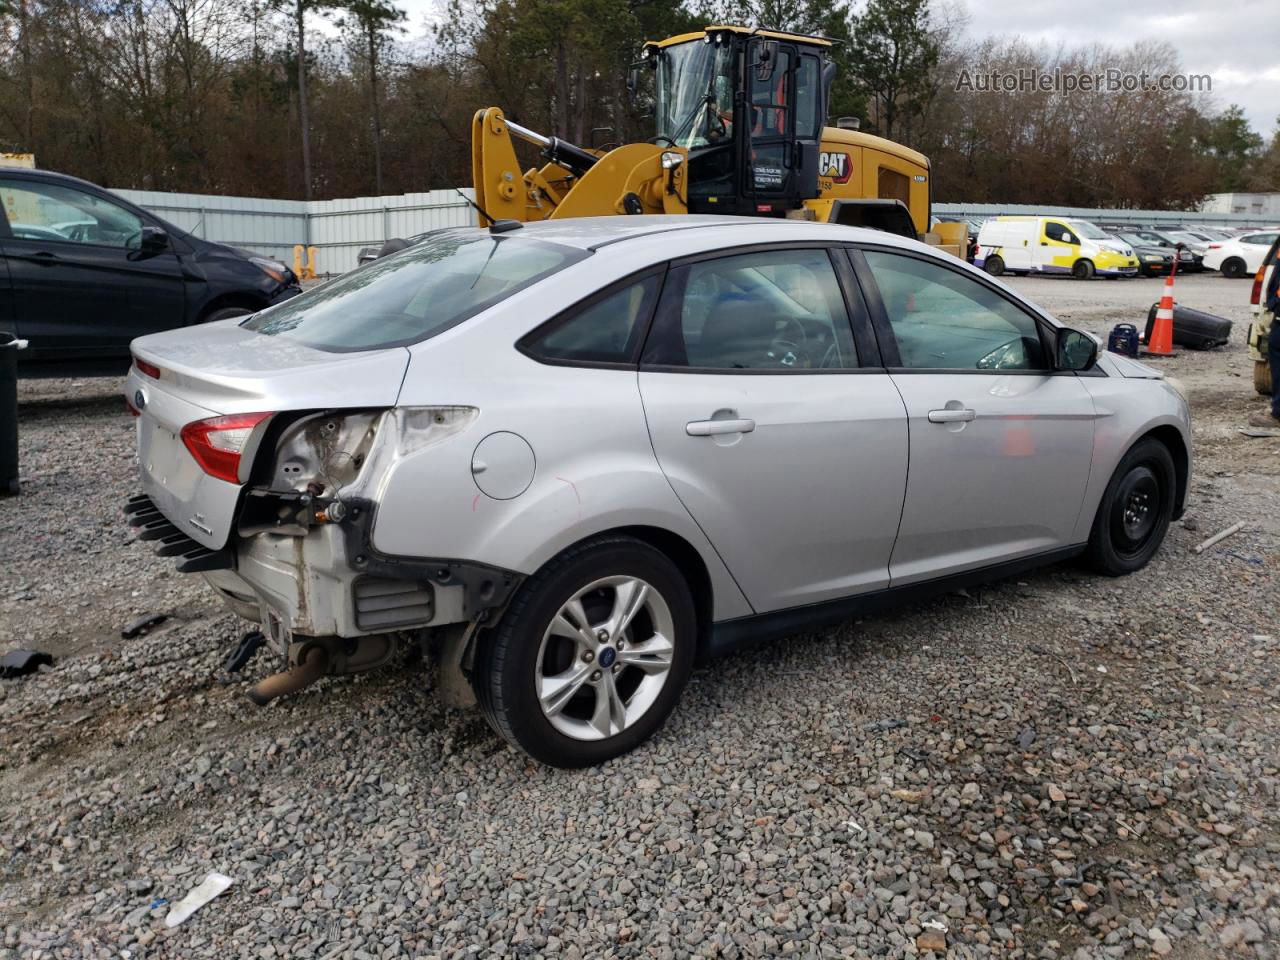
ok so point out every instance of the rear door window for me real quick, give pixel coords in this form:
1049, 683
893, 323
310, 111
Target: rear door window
417, 293
777, 310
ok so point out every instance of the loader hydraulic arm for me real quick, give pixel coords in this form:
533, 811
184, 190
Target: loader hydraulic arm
634, 178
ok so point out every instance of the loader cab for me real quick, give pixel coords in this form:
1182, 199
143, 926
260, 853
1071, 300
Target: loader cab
749, 107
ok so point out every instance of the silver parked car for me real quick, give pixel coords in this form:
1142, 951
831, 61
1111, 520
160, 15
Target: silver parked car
579, 454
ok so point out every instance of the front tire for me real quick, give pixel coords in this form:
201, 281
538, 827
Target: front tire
1083, 270
1135, 511
591, 657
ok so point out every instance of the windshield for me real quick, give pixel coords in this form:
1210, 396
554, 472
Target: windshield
1133, 240
695, 93
1087, 230
415, 294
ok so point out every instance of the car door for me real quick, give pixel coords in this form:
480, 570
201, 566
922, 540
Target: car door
8, 322
1000, 445
82, 286
788, 452
1016, 249
1057, 249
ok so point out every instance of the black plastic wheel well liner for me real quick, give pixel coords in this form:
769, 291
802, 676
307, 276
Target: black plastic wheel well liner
1172, 439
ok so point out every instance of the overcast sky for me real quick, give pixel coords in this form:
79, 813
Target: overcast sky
1236, 42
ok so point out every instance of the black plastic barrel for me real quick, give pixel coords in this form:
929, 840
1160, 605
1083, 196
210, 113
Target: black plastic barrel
9, 347
1193, 328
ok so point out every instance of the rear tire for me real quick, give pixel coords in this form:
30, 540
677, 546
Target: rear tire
1233, 268
993, 265
557, 680
1083, 270
1262, 377
225, 313
1135, 511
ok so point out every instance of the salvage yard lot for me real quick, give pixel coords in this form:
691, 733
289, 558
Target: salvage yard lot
1057, 765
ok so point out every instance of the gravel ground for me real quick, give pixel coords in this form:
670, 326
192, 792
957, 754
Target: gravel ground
1054, 766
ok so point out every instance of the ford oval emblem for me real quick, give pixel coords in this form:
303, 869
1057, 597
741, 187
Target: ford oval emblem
139, 400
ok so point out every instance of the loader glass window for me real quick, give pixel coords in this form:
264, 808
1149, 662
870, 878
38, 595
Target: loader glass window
445, 278
894, 185
695, 94
808, 98
770, 124
603, 331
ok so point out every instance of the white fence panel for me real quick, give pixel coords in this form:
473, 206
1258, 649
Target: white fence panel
338, 229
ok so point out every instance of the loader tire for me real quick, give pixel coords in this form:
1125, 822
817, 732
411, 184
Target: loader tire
1262, 377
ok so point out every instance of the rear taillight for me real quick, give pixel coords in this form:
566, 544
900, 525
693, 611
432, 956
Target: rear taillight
150, 369
1215, 246
218, 443
1256, 295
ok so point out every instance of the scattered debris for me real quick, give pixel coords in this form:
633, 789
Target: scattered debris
1254, 434
142, 626
1056, 794
18, 663
908, 796
932, 940
1036, 648
249, 644
881, 726
214, 884
1220, 536
1026, 738
934, 925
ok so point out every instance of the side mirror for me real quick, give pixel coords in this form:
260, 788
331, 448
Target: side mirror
766, 57
1074, 351
153, 240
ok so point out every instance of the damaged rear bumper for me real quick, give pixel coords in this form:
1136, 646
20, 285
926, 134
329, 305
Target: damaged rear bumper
325, 579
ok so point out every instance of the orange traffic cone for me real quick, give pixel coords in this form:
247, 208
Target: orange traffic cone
1160, 343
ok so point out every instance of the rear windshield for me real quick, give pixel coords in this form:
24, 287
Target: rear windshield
435, 284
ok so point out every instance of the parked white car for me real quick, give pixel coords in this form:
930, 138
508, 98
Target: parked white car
1242, 256
580, 453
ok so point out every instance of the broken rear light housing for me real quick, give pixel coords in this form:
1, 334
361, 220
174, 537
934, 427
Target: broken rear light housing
1255, 296
219, 444
150, 369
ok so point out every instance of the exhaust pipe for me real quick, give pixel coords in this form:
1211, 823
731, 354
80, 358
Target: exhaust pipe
313, 665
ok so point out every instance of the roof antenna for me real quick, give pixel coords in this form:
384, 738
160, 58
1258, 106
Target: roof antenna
495, 226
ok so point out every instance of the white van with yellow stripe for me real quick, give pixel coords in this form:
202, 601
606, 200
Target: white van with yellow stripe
1052, 245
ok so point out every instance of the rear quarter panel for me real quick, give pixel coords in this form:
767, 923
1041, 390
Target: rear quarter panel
594, 471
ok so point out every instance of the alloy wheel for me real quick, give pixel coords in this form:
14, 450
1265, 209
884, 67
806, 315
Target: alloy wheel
605, 658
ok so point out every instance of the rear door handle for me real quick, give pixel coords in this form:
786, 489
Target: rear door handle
44, 256
951, 416
711, 428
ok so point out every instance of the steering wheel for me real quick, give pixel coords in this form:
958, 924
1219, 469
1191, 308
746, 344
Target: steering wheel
654, 140
788, 350
134, 240
1010, 355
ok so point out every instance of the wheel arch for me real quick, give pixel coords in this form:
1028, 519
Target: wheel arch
238, 298
1173, 440
680, 552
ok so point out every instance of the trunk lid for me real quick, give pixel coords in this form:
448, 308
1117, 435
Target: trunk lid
219, 369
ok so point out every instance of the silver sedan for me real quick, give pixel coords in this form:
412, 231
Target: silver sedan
574, 456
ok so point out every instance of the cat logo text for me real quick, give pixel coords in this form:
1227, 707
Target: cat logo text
837, 166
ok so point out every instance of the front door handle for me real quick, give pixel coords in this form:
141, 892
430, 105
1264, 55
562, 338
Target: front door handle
959, 415
712, 428
44, 256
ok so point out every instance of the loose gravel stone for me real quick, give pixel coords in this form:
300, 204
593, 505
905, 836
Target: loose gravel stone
961, 762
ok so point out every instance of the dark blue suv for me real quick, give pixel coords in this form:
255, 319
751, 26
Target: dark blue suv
83, 272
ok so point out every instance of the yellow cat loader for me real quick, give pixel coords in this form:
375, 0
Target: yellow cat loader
740, 117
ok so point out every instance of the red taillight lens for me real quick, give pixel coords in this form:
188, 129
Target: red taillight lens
1256, 295
1215, 246
150, 369
218, 442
